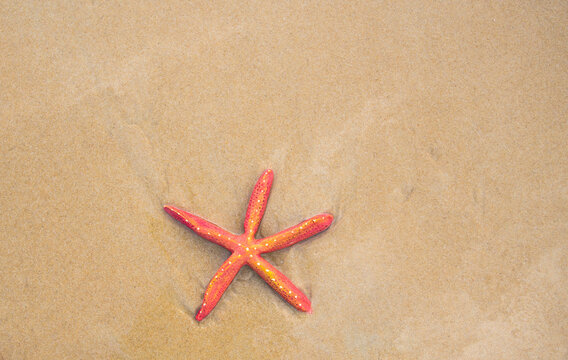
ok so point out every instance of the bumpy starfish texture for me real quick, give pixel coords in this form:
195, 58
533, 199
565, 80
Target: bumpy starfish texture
246, 249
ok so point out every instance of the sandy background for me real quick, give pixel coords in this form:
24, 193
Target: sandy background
434, 132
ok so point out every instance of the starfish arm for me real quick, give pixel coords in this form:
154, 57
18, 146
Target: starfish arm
257, 202
280, 283
203, 228
290, 236
219, 283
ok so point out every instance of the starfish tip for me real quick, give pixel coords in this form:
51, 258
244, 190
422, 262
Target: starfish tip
269, 174
171, 210
327, 218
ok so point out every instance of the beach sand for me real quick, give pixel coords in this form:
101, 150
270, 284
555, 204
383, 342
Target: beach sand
434, 132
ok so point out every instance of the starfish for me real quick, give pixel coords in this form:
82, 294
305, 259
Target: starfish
246, 249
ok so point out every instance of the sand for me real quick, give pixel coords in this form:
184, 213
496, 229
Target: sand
435, 132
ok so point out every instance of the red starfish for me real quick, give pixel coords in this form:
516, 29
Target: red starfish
246, 250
